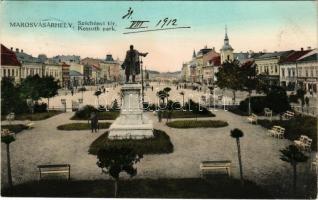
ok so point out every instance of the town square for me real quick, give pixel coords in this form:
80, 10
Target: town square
208, 117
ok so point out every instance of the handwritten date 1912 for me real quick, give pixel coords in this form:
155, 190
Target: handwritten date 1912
166, 22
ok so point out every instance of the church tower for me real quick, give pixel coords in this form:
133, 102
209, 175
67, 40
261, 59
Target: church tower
227, 50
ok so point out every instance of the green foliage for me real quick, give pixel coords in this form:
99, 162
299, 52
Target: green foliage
300, 93
10, 98
16, 128
49, 87
195, 107
236, 133
293, 98
197, 124
84, 112
31, 88
258, 103
216, 187
37, 116
159, 144
187, 114
292, 155
82, 126
299, 125
7, 139
277, 99
230, 76
114, 160
40, 107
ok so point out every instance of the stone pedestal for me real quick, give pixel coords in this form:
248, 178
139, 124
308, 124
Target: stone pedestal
131, 123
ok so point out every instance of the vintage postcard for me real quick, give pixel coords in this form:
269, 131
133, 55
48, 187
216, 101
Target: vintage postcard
159, 99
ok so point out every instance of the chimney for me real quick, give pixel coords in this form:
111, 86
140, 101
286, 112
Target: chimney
309, 48
301, 49
17, 50
21, 50
11, 48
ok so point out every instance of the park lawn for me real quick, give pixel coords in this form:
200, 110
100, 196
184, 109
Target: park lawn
187, 114
159, 144
107, 115
299, 125
35, 116
16, 128
82, 126
197, 124
216, 187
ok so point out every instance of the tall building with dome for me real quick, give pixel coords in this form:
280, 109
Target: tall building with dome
226, 51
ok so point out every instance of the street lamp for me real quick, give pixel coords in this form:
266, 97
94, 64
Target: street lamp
142, 81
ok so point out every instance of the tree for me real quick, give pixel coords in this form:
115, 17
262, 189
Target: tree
167, 90
229, 76
277, 99
162, 95
300, 93
97, 93
248, 75
114, 160
9, 95
31, 88
293, 156
237, 134
49, 88
7, 137
182, 94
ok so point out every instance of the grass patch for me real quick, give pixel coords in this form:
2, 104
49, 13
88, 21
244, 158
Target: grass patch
81, 126
299, 125
35, 116
197, 124
107, 115
16, 128
219, 187
187, 114
159, 144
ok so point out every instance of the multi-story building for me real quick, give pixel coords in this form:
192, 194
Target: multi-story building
111, 68
96, 74
268, 64
185, 73
10, 65
54, 70
288, 73
307, 71
65, 75
212, 68
67, 59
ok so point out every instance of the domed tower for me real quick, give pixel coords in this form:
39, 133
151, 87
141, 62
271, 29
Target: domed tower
227, 50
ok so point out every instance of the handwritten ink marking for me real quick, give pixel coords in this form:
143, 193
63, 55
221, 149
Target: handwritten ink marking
129, 13
159, 29
137, 24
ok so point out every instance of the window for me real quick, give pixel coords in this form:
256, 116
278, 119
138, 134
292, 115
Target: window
16, 73
289, 72
8, 72
312, 72
283, 72
12, 72
276, 69
4, 72
293, 72
306, 72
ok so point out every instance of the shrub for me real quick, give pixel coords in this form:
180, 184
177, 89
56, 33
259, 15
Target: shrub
293, 98
197, 124
82, 89
40, 108
84, 112
159, 144
82, 126
16, 128
195, 107
258, 103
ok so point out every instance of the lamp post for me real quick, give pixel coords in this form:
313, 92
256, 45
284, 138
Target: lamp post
142, 82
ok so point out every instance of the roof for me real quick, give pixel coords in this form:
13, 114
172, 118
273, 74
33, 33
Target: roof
8, 57
75, 73
216, 61
312, 57
241, 56
274, 55
294, 56
95, 68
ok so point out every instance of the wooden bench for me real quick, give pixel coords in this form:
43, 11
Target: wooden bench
55, 169
252, 118
268, 112
288, 115
277, 131
207, 166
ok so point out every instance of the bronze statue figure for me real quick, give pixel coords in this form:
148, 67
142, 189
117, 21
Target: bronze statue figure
131, 63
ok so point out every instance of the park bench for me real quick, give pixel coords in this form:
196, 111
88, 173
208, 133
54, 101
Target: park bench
304, 143
268, 112
288, 115
252, 118
207, 166
55, 169
10, 117
277, 131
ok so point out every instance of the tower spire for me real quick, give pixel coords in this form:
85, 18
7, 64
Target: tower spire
226, 37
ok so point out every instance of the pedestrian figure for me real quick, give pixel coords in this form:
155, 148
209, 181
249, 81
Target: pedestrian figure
72, 91
94, 122
311, 92
104, 90
152, 88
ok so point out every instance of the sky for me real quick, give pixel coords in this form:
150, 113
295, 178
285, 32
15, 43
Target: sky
251, 25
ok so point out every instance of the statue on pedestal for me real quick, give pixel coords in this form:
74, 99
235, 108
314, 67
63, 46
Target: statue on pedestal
131, 63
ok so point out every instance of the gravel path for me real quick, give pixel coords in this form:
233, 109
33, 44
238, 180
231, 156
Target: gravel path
44, 144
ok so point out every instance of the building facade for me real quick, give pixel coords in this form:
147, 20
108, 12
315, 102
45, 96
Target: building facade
10, 65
